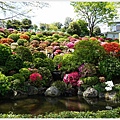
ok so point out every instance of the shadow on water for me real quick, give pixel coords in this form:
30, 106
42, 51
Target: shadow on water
40, 105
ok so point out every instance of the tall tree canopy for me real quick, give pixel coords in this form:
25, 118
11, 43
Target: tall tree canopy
95, 12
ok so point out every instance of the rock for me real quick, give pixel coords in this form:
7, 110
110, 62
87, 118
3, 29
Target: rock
52, 92
90, 92
32, 90
80, 92
110, 95
101, 95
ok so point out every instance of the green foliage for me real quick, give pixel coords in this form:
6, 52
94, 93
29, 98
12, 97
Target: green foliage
14, 36
38, 62
100, 87
57, 60
60, 85
90, 80
5, 52
75, 36
25, 72
14, 62
89, 51
39, 55
24, 53
109, 67
93, 12
4, 84
69, 63
27, 64
19, 77
34, 37
46, 76
21, 41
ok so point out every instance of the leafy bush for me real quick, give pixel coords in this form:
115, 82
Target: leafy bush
21, 41
14, 62
14, 36
89, 51
25, 72
69, 63
60, 85
109, 67
87, 70
34, 37
39, 55
5, 52
46, 76
27, 64
90, 80
4, 84
24, 53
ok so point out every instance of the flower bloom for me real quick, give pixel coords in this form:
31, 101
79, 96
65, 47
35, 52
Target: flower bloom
70, 45
72, 78
112, 47
35, 77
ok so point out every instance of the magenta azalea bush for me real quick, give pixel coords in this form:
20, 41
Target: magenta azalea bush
72, 78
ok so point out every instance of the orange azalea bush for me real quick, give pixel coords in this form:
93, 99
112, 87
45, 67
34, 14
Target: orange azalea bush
112, 48
24, 36
6, 40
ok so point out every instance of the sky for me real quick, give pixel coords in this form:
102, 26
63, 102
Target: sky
56, 12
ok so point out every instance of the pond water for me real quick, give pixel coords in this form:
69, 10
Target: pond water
40, 105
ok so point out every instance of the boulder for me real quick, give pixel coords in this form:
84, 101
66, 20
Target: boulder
90, 92
32, 90
52, 92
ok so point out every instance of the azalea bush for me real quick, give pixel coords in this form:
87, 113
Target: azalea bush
35, 79
87, 69
112, 48
72, 78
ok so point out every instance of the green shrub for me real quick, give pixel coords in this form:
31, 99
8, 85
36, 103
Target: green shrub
69, 63
19, 77
1, 36
5, 52
46, 76
60, 85
75, 36
57, 60
14, 36
21, 41
56, 36
89, 51
14, 62
24, 53
34, 37
27, 64
90, 80
4, 84
38, 62
25, 72
39, 55
109, 67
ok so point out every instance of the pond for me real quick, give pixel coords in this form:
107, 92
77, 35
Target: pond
40, 105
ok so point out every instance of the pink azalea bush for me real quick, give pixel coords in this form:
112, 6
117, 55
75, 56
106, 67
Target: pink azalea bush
70, 45
73, 79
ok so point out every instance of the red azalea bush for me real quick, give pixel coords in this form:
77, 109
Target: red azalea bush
112, 48
35, 77
72, 78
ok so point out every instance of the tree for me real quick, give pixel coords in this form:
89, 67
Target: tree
19, 9
68, 20
95, 12
26, 24
15, 24
58, 24
35, 27
97, 30
74, 28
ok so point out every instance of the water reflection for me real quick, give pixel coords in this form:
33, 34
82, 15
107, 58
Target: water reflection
40, 105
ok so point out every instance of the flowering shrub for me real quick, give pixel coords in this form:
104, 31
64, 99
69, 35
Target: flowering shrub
6, 40
70, 45
112, 48
86, 70
24, 36
72, 78
35, 77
